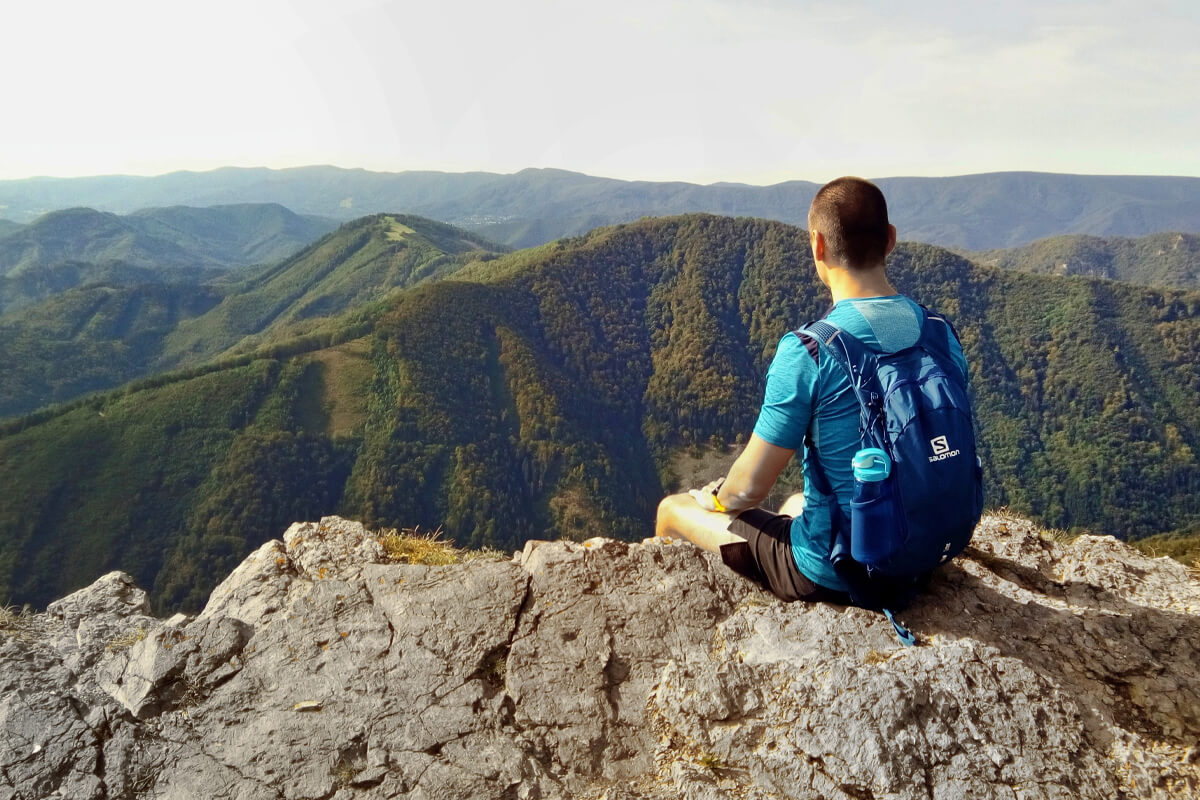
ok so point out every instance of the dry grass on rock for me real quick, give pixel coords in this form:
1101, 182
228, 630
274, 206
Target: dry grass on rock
413, 546
19, 624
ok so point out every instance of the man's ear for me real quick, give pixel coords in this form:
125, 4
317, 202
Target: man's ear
818, 245
891, 245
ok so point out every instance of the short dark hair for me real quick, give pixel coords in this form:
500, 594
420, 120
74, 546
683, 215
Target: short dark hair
852, 215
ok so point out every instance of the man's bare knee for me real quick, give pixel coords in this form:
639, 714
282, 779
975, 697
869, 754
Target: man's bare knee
667, 520
680, 516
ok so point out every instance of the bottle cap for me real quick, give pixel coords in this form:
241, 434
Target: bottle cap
871, 464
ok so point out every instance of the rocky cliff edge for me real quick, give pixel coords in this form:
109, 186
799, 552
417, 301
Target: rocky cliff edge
611, 670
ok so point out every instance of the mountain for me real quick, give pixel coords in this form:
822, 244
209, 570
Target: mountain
533, 206
82, 234
31, 287
88, 339
7, 227
328, 665
1010, 209
69, 248
102, 335
237, 235
360, 263
325, 191
549, 393
1170, 260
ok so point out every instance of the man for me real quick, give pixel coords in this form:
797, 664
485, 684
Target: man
807, 397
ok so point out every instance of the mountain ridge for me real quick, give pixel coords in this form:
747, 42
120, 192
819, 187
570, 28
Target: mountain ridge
1168, 259
100, 335
80, 245
532, 206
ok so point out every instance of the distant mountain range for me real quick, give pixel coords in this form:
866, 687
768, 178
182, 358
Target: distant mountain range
75, 246
548, 392
976, 212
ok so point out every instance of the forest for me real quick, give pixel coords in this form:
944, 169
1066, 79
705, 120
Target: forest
543, 393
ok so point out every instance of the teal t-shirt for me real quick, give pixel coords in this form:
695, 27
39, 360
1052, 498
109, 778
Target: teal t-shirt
804, 397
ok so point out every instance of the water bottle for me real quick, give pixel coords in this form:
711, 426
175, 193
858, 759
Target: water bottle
871, 466
873, 529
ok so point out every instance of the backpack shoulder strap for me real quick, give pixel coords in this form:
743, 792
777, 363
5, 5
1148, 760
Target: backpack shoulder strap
933, 315
853, 356
939, 336
810, 344
857, 361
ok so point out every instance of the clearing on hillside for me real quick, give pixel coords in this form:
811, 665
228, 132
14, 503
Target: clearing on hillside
345, 376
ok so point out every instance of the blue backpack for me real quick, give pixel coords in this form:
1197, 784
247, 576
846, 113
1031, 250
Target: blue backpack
914, 406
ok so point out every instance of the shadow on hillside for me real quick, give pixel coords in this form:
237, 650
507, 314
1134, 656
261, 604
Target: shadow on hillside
1137, 663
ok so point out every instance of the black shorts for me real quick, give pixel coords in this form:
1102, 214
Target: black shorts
766, 557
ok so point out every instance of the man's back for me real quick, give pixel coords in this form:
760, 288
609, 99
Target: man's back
809, 397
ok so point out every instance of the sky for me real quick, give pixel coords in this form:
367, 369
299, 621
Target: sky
750, 91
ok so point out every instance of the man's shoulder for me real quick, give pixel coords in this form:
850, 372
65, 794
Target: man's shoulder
802, 339
803, 354
796, 351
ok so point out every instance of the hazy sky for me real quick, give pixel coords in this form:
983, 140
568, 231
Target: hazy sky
756, 91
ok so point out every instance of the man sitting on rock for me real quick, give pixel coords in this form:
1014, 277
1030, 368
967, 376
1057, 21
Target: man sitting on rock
807, 397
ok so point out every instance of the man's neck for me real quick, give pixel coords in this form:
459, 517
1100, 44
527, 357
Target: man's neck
847, 284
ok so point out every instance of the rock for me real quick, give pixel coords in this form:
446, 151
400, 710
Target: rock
110, 614
45, 744
257, 589
607, 669
113, 595
603, 620
175, 665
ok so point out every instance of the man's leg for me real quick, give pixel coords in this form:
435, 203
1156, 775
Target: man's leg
680, 516
763, 554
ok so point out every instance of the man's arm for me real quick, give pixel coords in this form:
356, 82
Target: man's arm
784, 417
753, 474
750, 479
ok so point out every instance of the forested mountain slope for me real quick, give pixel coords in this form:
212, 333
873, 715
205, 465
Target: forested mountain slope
1168, 260
102, 335
90, 338
237, 234
542, 394
360, 262
83, 234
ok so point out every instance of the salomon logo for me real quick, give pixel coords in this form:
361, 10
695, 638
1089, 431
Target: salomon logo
941, 449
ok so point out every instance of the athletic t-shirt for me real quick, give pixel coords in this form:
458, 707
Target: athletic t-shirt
804, 397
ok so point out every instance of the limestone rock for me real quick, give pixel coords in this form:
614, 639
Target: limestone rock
46, 745
176, 664
99, 618
607, 669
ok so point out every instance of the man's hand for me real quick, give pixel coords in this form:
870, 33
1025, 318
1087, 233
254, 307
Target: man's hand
707, 497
